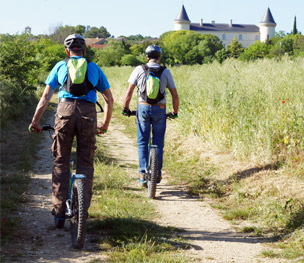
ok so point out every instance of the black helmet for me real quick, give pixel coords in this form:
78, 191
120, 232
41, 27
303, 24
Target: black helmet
75, 42
153, 51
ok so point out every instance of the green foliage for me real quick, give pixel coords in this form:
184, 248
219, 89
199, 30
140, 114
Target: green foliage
111, 55
235, 49
48, 53
255, 51
60, 33
94, 32
19, 70
129, 60
137, 49
188, 47
137, 37
80, 29
221, 55
295, 30
90, 53
17, 60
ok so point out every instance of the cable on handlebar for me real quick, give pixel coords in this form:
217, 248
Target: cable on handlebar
47, 127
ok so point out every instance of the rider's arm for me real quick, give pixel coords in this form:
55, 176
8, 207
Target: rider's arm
109, 101
175, 100
128, 95
41, 107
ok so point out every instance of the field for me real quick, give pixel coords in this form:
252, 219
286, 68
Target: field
239, 139
254, 110
238, 143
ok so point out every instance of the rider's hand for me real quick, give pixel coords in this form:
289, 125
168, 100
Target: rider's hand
172, 115
35, 127
126, 111
101, 129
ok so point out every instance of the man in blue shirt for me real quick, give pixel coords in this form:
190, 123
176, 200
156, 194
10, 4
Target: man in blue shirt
79, 80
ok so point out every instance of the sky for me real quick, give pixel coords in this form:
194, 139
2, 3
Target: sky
148, 18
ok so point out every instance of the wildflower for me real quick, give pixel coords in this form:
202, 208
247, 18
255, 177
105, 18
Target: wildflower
283, 101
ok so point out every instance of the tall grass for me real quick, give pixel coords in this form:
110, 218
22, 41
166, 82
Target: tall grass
254, 110
238, 106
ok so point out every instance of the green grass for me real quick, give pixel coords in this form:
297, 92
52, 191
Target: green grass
18, 149
121, 218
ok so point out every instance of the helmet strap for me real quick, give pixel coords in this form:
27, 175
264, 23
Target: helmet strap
67, 51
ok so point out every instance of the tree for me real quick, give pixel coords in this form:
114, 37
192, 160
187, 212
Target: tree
19, 70
111, 55
59, 33
295, 30
287, 45
235, 49
137, 49
130, 60
94, 32
255, 51
221, 55
48, 53
188, 47
80, 29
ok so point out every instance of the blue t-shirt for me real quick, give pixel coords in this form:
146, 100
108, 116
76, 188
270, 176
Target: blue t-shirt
58, 76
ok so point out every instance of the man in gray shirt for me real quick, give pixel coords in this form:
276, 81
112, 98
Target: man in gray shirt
151, 115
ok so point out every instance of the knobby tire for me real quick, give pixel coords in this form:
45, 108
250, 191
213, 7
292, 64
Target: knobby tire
153, 164
78, 221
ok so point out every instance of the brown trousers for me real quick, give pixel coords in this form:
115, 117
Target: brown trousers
73, 118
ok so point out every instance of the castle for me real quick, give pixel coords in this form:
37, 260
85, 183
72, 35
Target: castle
244, 33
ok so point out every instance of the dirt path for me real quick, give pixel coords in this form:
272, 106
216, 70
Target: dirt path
39, 240
211, 237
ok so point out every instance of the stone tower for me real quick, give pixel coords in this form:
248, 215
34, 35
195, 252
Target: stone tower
182, 21
267, 26
28, 30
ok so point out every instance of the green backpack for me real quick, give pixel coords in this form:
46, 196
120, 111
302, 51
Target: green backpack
77, 82
151, 91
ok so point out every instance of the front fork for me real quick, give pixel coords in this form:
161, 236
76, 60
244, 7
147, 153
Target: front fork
73, 177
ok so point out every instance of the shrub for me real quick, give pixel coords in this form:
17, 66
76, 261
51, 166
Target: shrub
19, 74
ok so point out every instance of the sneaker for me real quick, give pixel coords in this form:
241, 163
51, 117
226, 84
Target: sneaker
159, 177
58, 219
143, 180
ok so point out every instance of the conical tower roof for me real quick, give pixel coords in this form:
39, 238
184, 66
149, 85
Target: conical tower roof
182, 15
268, 18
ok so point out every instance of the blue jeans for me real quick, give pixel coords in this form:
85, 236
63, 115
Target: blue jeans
150, 116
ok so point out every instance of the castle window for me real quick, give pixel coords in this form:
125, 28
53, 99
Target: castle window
240, 37
224, 37
257, 37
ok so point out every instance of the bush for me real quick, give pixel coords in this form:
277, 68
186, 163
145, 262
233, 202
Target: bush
130, 60
256, 51
19, 70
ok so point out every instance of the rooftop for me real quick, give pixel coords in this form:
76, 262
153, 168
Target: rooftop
182, 15
268, 18
224, 27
